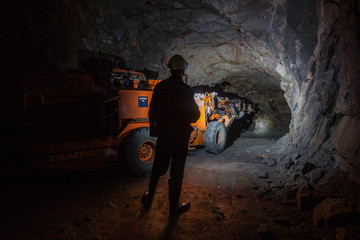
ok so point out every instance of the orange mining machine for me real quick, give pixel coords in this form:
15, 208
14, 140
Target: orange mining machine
69, 123
217, 115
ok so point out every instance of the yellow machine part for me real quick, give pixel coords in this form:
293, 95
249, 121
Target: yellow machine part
153, 82
196, 138
201, 122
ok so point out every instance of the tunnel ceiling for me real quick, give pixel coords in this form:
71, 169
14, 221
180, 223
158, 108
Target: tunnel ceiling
294, 58
230, 41
219, 39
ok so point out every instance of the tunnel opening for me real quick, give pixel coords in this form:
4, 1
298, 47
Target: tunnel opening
271, 117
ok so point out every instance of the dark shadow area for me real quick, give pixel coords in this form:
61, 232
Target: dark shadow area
55, 177
237, 128
99, 64
168, 232
29, 197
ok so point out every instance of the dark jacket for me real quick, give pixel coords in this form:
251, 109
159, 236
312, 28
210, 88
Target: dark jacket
172, 108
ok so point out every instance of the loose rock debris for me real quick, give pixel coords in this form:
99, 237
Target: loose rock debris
231, 198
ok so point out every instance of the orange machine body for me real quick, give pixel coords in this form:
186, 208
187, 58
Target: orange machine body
125, 110
134, 104
87, 132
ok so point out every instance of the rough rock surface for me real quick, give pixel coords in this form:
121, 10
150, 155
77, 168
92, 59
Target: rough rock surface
307, 199
296, 60
227, 202
334, 213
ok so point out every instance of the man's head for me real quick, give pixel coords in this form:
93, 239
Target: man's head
177, 65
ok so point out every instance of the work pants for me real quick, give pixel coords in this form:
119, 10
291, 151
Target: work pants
171, 151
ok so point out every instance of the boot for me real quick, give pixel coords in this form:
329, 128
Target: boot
148, 197
176, 208
179, 208
147, 200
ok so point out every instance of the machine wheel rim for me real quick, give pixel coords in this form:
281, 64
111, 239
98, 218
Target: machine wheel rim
146, 152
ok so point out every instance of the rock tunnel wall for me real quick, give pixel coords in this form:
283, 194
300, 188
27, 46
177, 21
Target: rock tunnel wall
325, 82
296, 59
327, 113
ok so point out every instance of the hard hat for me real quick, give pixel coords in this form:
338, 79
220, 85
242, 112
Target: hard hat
177, 62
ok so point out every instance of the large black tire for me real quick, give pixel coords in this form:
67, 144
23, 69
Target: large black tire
140, 151
215, 137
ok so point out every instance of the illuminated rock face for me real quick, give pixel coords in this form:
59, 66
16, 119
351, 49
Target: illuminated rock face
297, 59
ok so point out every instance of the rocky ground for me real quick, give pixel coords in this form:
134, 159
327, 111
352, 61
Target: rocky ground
247, 192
